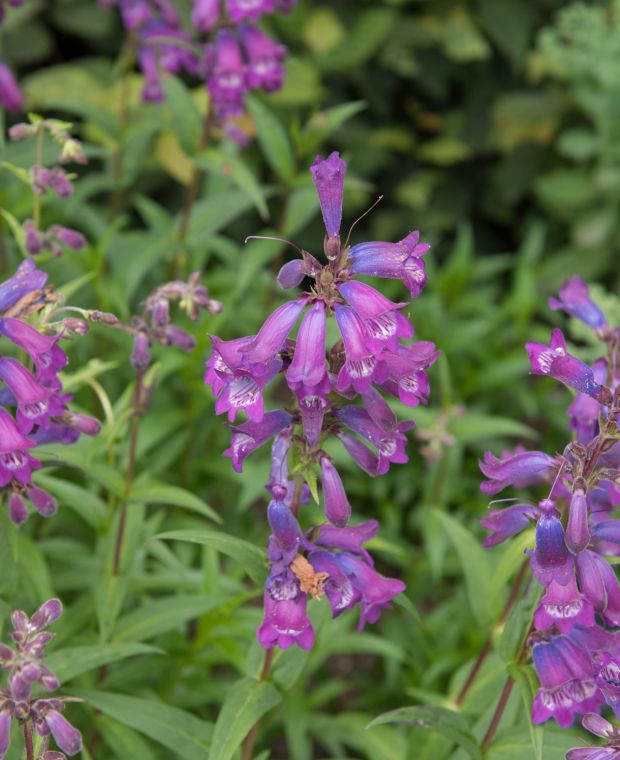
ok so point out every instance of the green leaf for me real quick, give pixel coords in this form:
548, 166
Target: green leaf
476, 567
246, 701
238, 171
474, 426
322, 124
154, 492
249, 556
109, 597
183, 733
448, 723
69, 663
163, 615
88, 505
273, 140
526, 680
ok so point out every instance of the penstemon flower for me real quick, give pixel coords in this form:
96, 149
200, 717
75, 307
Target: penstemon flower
370, 357
24, 661
575, 654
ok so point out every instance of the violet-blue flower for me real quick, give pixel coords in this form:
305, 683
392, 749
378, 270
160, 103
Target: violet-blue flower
575, 300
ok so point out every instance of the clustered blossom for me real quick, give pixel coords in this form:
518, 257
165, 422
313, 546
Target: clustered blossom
24, 661
575, 649
236, 57
33, 408
374, 354
55, 179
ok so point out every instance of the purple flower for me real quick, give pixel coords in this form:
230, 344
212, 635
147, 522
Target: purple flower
67, 737
15, 461
153, 91
26, 280
35, 404
349, 539
407, 379
361, 367
566, 673
238, 10
286, 621
337, 507
575, 299
577, 530
44, 351
399, 261
563, 606
270, 338
227, 74
205, 14
285, 529
70, 238
507, 522
291, 274
608, 678
6, 716
360, 453
381, 316
264, 56
598, 582
43, 502
308, 366
11, 98
55, 179
551, 560
521, 468
328, 177
600, 727
249, 436
554, 360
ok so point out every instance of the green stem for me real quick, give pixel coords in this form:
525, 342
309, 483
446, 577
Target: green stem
38, 160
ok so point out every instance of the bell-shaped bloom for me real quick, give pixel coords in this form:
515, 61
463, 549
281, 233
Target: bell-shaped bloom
264, 56
397, 261
375, 590
11, 98
226, 81
555, 361
568, 688
597, 725
360, 453
285, 529
309, 366
584, 411
598, 582
608, 678
382, 317
507, 522
26, 280
312, 402
249, 436
6, 716
361, 367
564, 607
286, 622
35, 403
349, 539
521, 468
407, 379
575, 300
205, 14
238, 10
44, 350
338, 586
280, 486
328, 176
15, 461
66, 736
270, 338
389, 442
337, 507
551, 560
577, 529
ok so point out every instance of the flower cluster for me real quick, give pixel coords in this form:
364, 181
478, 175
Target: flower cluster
24, 662
41, 413
370, 356
237, 58
41, 179
576, 656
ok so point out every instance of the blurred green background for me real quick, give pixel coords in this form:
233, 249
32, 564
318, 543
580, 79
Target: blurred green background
491, 126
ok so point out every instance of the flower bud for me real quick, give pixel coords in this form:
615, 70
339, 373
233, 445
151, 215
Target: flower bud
86, 425
33, 239
75, 325
291, 274
45, 504
180, 338
18, 514
577, 530
71, 238
68, 738
140, 356
48, 613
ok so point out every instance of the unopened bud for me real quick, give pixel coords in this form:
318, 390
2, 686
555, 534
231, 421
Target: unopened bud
106, 317
75, 325
18, 514
43, 502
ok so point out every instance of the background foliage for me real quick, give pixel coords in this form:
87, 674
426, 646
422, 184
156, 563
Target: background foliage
491, 126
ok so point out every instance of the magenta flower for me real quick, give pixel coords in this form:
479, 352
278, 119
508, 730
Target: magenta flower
407, 379
349, 539
227, 80
563, 606
551, 560
575, 299
381, 317
600, 727
507, 522
286, 622
598, 582
35, 403
66, 736
577, 530
361, 367
251, 435
521, 468
337, 507
328, 176
262, 349
15, 461
44, 350
555, 361
264, 56
308, 367
11, 98
238, 10
205, 14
